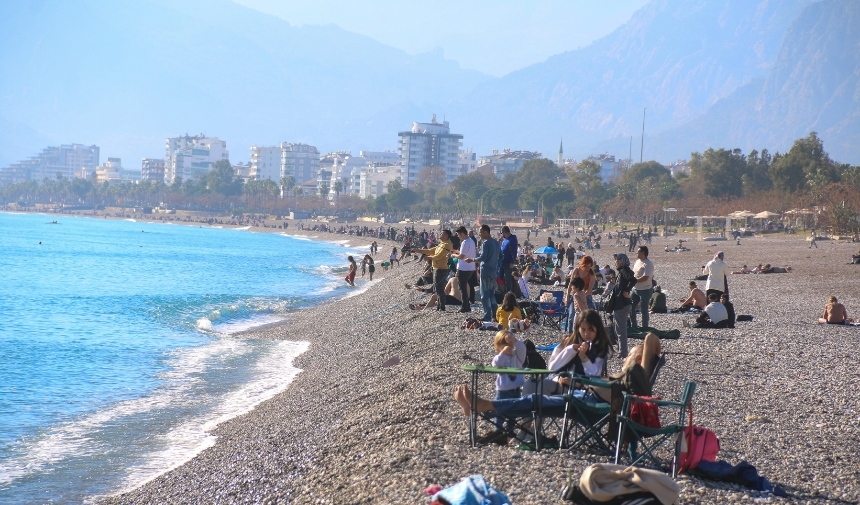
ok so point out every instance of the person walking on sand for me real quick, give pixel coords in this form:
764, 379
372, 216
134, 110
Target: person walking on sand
350, 274
439, 256
812, 237
716, 270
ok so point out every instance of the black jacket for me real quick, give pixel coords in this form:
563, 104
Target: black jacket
625, 282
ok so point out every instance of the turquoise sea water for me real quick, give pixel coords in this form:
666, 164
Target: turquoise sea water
118, 345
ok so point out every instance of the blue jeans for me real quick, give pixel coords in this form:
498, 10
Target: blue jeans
643, 296
619, 322
523, 406
571, 317
508, 394
488, 295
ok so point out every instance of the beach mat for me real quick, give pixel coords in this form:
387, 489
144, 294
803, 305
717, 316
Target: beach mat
639, 333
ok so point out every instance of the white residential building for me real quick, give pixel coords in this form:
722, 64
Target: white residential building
190, 157
375, 178
505, 162
266, 163
429, 145
68, 161
609, 166
152, 169
468, 162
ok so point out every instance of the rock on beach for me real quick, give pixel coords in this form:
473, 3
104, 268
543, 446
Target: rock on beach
780, 392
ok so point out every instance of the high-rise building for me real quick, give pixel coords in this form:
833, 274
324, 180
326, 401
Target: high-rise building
301, 161
429, 145
190, 157
68, 161
266, 163
151, 169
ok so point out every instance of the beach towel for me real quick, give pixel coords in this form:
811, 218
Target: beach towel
472, 490
639, 333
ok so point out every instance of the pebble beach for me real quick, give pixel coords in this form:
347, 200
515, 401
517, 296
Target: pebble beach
371, 418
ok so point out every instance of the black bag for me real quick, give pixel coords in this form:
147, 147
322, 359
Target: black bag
533, 358
609, 304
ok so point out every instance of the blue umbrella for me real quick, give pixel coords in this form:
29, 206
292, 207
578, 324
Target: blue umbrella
546, 250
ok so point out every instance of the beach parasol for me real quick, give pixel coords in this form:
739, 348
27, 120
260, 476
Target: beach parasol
741, 214
765, 215
546, 250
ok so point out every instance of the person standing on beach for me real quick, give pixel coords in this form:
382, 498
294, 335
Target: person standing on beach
643, 270
439, 256
370, 266
509, 248
350, 274
716, 270
812, 237
465, 268
489, 263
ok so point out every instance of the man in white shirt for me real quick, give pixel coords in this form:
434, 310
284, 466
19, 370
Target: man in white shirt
643, 271
715, 314
465, 268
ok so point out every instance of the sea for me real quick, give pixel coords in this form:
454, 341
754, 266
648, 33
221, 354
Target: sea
122, 346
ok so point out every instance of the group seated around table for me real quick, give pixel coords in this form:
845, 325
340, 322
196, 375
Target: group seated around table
835, 313
641, 361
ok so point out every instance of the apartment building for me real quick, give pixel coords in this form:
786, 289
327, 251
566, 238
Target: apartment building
506, 161
429, 145
68, 161
151, 169
190, 157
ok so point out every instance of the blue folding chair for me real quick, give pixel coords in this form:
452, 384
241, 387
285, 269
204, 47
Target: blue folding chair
552, 314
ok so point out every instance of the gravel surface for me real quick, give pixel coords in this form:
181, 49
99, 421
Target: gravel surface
780, 392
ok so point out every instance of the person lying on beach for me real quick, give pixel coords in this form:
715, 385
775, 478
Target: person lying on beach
855, 258
743, 270
757, 269
768, 269
696, 299
835, 313
452, 296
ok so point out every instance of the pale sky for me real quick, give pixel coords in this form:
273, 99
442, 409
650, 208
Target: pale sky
493, 36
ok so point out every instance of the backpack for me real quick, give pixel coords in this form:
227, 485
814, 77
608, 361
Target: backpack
533, 358
645, 413
697, 444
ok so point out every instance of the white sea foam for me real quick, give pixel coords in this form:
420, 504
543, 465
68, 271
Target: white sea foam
273, 372
204, 324
132, 220
327, 288
233, 327
360, 288
243, 228
81, 438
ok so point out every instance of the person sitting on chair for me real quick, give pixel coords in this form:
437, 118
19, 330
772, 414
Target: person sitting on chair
835, 313
695, 300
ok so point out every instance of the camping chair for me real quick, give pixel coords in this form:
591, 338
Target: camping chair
657, 367
651, 439
552, 314
584, 420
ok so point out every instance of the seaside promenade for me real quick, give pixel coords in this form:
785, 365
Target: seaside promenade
780, 392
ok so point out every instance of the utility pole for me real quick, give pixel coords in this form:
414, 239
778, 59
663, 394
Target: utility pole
642, 148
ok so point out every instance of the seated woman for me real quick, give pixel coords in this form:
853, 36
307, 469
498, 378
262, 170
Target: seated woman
508, 310
556, 276
835, 313
452, 296
521, 287
583, 352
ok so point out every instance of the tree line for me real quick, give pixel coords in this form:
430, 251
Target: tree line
719, 181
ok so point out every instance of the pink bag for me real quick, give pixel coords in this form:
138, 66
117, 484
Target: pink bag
698, 444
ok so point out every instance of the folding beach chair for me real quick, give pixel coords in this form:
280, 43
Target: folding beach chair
585, 418
651, 439
552, 313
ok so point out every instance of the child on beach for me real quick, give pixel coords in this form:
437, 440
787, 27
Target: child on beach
580, 303
511, 354
350, 274
393, 257
370, 267
508, 309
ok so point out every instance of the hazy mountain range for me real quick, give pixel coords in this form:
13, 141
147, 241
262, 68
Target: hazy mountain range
722, 73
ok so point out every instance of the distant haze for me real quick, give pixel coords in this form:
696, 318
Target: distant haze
495, 37
126, 74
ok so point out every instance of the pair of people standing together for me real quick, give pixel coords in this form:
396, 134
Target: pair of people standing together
634, 287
